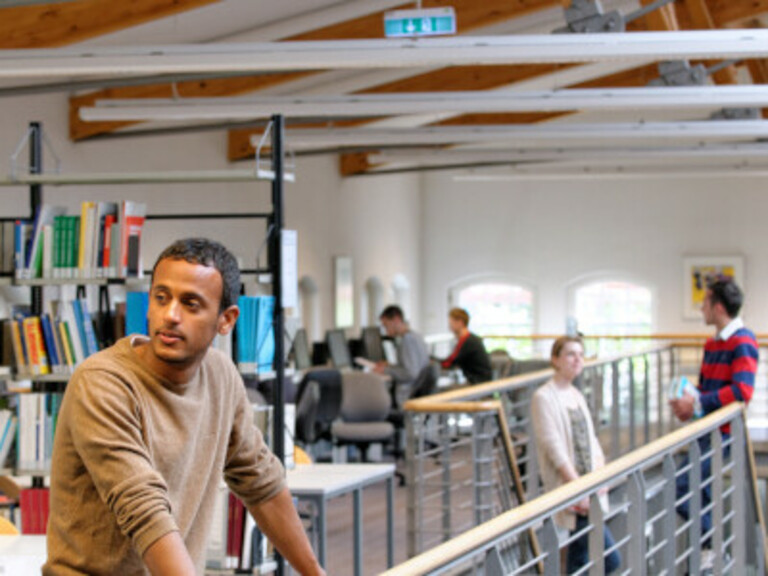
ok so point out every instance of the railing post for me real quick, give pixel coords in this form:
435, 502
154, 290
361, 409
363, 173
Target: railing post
632, 420
532, 463
615, 412
668, 526
716, 468
646, 399
482, 457
636, 547
694, 507
550, 547
445, 456
414, 467
659, 394
596, 538
738, 499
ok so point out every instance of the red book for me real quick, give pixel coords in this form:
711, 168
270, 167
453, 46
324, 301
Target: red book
109, 220
34, 510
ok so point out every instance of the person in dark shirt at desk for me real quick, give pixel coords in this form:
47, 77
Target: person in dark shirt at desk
469, 354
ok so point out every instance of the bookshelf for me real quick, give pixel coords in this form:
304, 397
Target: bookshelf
35, 179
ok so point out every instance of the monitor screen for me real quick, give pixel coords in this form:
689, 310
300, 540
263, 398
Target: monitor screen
338, 349
301, 355
372, 347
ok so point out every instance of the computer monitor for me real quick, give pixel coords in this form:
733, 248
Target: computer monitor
301, 355
338, 349
372, 346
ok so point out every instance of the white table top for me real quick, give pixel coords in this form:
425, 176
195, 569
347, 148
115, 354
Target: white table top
22, 554
331, 480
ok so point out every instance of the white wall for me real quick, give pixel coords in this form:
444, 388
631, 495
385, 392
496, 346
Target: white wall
374, 219
548, 234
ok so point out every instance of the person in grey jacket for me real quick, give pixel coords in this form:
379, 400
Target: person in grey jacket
412, 350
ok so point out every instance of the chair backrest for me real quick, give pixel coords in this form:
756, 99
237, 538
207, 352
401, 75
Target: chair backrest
501, 363
329, 382
306, 414
426, 382
365, 397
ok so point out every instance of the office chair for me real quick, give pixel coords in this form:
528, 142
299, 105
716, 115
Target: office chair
424, 385
364, 409
325, 409
306, 415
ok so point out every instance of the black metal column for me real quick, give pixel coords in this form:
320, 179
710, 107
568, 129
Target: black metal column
35, 199
275, 264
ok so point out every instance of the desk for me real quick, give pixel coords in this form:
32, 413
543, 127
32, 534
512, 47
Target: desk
318, 483
22, 554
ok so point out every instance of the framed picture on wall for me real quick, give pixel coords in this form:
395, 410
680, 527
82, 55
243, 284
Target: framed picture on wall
698, 271
344, 292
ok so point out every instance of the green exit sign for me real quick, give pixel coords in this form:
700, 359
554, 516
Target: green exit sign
429, 22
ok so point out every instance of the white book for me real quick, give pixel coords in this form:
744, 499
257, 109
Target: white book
47, 251
68, 316
90, 231
44, 218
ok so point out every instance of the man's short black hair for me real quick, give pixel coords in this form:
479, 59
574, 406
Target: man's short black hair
212, 254
727, 292
391, 312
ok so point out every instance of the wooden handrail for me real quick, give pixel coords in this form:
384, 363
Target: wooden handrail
437, 402
527, 514
697, 336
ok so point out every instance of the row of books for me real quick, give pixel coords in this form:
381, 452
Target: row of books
7, 434
52, 343
255, 335
235, 541
37, 417
104, 241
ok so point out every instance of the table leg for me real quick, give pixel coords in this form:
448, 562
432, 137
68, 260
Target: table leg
390, 521
321, 531
357, 498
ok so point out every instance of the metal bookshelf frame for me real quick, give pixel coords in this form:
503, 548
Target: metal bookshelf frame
36, 179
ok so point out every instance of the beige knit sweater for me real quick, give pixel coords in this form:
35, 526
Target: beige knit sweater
136, 457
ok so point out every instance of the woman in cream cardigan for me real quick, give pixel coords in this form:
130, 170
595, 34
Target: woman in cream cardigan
567, 446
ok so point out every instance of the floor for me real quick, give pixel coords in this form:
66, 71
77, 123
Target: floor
339, 526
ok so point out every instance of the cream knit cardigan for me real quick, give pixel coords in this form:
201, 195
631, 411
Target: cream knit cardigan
554, 442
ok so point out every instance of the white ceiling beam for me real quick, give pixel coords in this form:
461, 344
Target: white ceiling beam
578, 157
366, 54
522, 135
646, 172
365, 105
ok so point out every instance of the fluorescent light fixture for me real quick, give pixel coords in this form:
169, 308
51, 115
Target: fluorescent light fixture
617, 173
664, 155
115, 62
365, 105
560, 133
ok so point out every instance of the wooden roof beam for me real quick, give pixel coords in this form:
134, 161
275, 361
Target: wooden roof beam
470, 15
64, 23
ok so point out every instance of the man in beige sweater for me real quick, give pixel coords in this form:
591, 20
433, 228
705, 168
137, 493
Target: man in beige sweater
148, 428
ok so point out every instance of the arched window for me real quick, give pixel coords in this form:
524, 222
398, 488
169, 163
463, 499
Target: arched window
310, 308
613, 307
499, 309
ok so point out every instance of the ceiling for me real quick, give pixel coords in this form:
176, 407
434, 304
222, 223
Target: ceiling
104, 25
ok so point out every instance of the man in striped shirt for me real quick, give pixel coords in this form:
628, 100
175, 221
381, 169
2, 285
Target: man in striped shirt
727, 375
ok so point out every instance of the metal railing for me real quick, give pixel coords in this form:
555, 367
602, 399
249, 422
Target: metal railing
470, 454
649, 535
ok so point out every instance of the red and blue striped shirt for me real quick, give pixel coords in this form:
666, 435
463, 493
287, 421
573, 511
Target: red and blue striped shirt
728, 370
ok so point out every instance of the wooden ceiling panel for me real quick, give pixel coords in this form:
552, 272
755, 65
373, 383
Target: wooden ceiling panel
64, 23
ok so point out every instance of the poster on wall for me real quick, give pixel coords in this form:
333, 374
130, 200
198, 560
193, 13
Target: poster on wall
698, 272
344, 290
